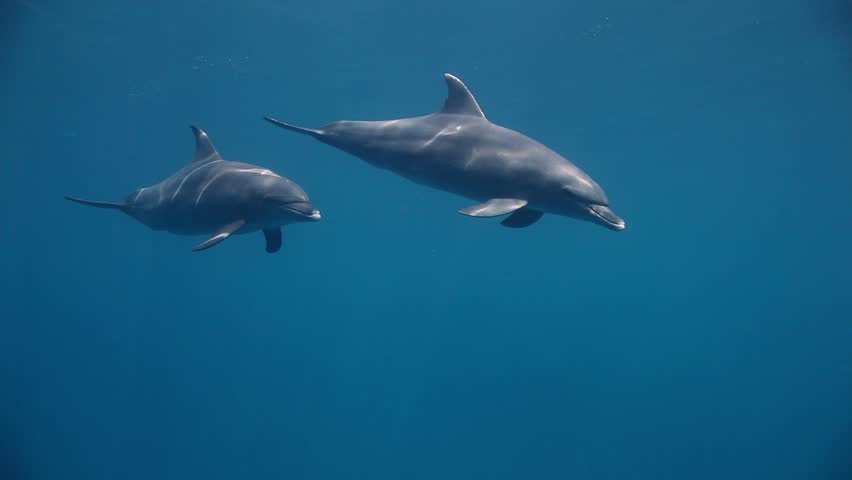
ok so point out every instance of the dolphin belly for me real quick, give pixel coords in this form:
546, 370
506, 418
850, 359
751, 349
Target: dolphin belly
466, 156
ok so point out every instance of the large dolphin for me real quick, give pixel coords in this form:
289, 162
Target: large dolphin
212, 196
458, 150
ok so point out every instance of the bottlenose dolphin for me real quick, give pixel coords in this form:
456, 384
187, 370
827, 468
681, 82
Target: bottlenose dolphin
456, 149
216, 197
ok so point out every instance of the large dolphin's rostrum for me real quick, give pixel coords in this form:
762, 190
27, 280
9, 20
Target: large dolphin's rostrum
212, 196
458, 150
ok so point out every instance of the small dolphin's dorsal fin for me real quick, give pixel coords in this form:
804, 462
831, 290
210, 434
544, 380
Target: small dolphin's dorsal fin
459, 99
204, 149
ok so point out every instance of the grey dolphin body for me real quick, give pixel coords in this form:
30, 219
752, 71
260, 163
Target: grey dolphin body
212, 196
458, 150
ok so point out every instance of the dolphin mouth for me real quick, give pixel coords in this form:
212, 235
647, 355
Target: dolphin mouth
607, 217
304, 210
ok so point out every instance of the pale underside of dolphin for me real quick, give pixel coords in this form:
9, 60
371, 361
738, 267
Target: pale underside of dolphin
216, 197
458, 150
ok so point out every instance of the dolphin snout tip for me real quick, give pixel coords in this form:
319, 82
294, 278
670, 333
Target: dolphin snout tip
605, 216
615, 226
315, 215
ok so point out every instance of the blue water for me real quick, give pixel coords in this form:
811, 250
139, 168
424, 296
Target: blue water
397, 339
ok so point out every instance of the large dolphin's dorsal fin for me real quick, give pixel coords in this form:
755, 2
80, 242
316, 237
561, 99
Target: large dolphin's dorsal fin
459, 99
204, 149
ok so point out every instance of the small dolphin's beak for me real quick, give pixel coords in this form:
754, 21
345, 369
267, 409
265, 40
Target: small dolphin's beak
305, 210
607, 217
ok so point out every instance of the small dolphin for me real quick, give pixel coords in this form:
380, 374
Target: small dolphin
458, 150
216, 197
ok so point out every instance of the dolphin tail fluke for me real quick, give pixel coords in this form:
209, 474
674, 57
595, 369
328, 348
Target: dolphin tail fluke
93, 203
307, 131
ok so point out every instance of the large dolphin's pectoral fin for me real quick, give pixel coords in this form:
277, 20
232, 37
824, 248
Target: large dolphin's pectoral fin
494, 207
273, 239
220, 235
522, 218
204, 150
94, 203
459, 99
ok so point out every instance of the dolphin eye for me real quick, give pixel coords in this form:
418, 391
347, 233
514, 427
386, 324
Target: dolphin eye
587, 192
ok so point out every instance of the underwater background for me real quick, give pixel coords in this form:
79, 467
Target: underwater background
397, 339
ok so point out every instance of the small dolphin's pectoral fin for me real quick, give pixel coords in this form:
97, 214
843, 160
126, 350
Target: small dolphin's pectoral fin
204, 149
494, 207
459, 99
273, 239
522, 218
93, 203
220, 235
